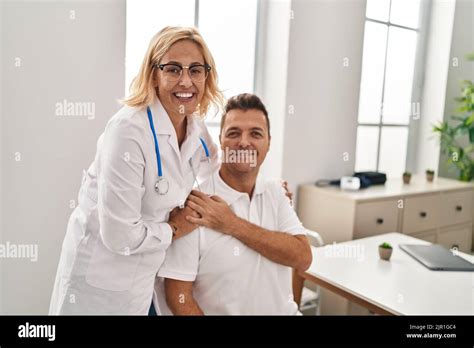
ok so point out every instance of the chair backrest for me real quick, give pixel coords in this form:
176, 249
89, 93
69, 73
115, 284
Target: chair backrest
315, 238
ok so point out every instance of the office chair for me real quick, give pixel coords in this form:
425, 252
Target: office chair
311, 298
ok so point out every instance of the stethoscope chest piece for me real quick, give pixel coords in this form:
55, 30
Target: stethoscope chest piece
162, 186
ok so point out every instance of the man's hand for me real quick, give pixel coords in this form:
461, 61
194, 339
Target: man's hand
179, 223
214, 212
288, 193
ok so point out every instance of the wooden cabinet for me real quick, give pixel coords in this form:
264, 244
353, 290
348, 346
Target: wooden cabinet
440, 212
376, 218
421, 213
429, 236
456, 208
459, 237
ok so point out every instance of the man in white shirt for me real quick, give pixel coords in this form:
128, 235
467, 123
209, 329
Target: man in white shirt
240, 259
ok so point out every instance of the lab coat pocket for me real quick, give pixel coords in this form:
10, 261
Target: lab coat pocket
111, 271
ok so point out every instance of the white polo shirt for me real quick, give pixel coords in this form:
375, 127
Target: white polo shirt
229, 277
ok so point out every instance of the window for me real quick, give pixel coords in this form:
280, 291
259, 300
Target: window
229, 28
386, 104
144, 19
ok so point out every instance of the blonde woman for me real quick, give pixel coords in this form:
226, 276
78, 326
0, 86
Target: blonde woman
130, 203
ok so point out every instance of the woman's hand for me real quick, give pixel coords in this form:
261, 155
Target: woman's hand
214, 212
178, 222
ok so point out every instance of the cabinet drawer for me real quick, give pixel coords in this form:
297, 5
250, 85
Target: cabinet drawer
429, 236
421, 213
456, 207
376, 218
459, 236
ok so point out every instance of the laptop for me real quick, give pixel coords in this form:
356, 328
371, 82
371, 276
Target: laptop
437, 257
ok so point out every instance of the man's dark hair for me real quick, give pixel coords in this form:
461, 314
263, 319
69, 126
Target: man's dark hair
245, 101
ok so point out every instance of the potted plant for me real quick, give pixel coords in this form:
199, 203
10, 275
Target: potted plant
430, 175
457, 137
385, 251
406, 177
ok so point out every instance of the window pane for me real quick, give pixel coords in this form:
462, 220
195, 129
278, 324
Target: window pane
397, 102
144, 19
375, 39
393, 151
405, 12
378, 9
366, 149
229, 28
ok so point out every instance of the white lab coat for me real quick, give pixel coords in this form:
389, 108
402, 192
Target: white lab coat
117, 236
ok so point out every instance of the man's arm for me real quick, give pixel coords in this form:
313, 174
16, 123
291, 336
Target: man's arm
179, 297
280, 247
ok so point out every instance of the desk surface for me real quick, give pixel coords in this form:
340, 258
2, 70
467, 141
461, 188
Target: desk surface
401, 286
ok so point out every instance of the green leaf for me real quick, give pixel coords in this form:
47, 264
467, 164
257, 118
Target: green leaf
469, 148
462, 108
452, 133
470, 56
440, 127
460, 130
471, 135
470, 120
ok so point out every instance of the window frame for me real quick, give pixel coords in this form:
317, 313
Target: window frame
417, 86
214, 123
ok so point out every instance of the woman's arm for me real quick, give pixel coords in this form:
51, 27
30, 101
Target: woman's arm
120, 170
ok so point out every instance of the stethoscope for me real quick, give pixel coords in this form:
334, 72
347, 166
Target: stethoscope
162, 185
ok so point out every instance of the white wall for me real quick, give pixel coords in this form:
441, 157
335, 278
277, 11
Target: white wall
323, 92
1, 152
79, 59
436, 73
462, 42
271, 75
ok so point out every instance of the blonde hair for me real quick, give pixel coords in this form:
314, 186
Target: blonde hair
142, 91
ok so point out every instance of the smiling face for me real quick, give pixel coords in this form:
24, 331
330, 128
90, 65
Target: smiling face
245, 132
180, 98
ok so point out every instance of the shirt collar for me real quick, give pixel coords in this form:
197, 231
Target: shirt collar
230, 195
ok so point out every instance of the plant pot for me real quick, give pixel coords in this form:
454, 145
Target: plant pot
385, 253
429, 177
406, 179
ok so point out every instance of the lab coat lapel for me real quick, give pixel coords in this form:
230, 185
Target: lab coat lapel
192, 141
163, 125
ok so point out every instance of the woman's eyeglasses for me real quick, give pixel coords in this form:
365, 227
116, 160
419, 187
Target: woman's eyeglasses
173, 72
